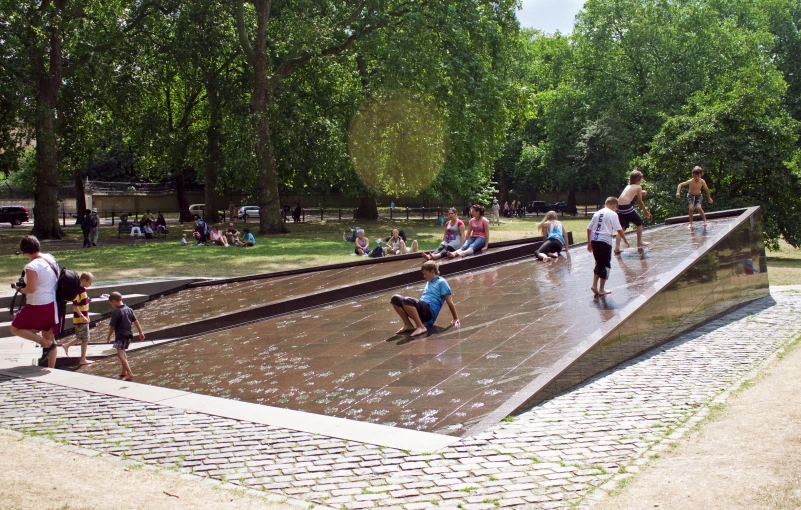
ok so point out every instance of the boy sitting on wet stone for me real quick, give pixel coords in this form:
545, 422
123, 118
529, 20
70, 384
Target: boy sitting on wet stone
416, 314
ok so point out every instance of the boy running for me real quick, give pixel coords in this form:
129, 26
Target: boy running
120, 326
417, 314
602, 227
80, 319
696, 184
625, 209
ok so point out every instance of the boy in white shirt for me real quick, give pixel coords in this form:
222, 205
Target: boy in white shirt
600, 234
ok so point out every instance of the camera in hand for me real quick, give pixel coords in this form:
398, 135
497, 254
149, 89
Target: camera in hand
19, 285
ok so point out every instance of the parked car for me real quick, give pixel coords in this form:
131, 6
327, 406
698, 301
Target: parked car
14, 214
537, 206
196, 210
557, 206
248, 211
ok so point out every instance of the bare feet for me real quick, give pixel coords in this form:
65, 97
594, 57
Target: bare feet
85, 362
66, 349
604, 292
405, 329
127, 377
644, 245
690, 226
419, 331
452, 255
618, 252
594, 290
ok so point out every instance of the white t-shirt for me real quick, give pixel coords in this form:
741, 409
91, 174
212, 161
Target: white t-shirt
48, 278
603, 226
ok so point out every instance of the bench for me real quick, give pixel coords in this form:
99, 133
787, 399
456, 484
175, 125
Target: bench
125, 228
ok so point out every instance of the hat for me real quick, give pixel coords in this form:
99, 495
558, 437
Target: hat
495, 201
94, 209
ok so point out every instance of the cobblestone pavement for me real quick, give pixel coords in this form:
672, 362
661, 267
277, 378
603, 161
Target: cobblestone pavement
555, 455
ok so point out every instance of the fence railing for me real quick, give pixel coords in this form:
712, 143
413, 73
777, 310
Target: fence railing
329, 214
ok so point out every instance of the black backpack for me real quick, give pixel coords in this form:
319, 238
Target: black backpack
67, 287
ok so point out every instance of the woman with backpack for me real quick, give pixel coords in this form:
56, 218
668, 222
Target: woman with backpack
40, 312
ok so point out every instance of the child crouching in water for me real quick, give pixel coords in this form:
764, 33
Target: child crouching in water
416, 314
120, 326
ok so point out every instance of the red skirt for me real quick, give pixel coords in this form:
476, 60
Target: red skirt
38, 317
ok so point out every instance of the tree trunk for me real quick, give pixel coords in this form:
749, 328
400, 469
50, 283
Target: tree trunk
503, 189
368, 208
47, 83
213, 200
80, 194
183, 204
270, 221
571, 201
45, 209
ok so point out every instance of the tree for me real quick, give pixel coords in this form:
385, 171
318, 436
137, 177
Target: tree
333, 29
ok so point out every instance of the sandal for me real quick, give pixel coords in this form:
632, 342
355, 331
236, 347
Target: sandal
47, 350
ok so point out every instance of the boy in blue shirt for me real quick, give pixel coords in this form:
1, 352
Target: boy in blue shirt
416, 314
247, 238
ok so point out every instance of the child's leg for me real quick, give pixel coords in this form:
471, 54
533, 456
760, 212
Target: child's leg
414, 315
594, 287
692, 208
84, 348
126, 369
701, 211
397, 305
601, 291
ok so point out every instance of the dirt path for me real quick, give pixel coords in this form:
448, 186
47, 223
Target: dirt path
748, 455
42, 476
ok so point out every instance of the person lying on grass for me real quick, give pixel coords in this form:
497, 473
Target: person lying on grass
416, 314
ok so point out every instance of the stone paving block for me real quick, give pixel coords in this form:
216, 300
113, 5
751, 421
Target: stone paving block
619, 419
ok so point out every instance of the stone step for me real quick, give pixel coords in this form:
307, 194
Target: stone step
5, 327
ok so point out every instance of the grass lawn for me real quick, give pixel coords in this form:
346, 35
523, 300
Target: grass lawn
309, 244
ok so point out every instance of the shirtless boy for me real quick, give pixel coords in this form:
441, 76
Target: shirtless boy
626, 212
696, 184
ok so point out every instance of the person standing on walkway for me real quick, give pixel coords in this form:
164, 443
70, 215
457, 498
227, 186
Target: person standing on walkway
40, 312
95, 226
496, 211
86, 228
600, 235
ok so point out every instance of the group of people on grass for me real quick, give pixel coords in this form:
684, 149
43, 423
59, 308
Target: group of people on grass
147, 226
216, 237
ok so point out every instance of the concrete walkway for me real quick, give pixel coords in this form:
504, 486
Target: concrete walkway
569, 451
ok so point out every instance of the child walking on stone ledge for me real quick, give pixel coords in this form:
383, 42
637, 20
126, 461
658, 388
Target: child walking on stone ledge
416, 314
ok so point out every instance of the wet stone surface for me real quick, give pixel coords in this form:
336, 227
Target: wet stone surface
343, 360
556, 455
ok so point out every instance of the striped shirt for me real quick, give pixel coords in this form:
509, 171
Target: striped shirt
81, 302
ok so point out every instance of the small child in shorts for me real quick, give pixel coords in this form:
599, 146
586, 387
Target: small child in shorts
696, 185
80, 319
625, 209
600, 231
120, 326
416, 314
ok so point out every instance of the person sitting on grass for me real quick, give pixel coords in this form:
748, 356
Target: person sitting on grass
232, 234
351, 236
161, 223
201, 232
361, 244
396, 245
247, 238
217, 237
416, 314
